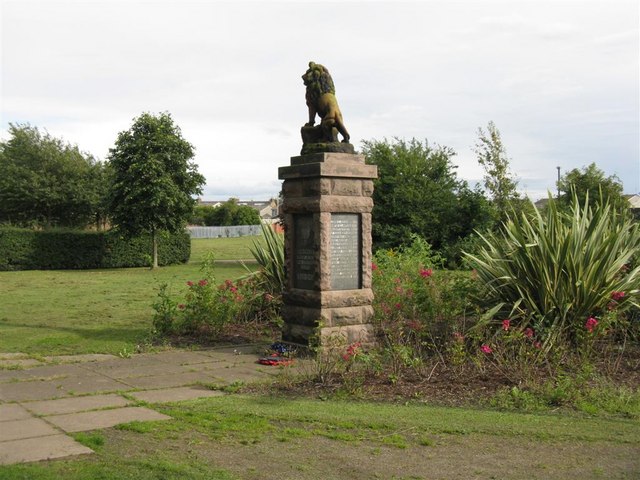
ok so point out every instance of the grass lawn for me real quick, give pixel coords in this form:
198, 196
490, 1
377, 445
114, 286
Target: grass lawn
249, 437
57, 312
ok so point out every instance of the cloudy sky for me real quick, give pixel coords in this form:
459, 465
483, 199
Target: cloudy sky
559, 79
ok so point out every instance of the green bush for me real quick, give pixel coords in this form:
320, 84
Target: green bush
417, 307
566, 275
23, 249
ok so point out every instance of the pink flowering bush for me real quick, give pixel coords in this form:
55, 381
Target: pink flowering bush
416, 307
207, 307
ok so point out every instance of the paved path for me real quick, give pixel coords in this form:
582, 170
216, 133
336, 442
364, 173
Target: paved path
42, 401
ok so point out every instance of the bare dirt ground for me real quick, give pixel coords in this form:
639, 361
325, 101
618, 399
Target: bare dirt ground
449, 457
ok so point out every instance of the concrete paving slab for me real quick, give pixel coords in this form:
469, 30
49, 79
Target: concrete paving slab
175, 394
20, 363
44, 372
82, 358
13, 411
36, 390
231, 375
133, 370
240, 350
90, 383
177, 357
26, 428
42, 448
76, 404
168, 381
233, 359
81, 422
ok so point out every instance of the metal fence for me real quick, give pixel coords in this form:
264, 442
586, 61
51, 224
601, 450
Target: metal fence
218, 232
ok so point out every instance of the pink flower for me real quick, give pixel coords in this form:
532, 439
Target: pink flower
617, 296
538, 345
426, 272
202, 283
486, 349
374, 267
506, 324
233, 289
190, 283
398, 306
591, 324
528, 332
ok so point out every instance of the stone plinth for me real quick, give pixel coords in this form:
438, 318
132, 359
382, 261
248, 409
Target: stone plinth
326, 211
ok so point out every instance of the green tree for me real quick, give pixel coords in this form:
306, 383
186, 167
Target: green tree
154, 178
46, 182
231, 213
591, 182
417, 191
498, 179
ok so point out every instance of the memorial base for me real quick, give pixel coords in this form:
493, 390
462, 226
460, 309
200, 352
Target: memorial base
326, 211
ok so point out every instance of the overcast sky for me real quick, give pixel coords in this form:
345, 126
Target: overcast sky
561, 79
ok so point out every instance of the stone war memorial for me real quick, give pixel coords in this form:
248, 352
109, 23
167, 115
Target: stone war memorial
326, 212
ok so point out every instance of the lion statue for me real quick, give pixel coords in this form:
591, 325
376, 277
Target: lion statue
321, 100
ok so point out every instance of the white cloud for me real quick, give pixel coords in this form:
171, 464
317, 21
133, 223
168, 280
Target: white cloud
559, 79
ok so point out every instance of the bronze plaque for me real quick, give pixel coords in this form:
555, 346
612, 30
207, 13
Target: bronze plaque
346, 252
304, 252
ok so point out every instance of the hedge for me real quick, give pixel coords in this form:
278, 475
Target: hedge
24, 249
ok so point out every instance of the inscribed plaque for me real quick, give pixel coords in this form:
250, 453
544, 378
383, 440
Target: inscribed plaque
345, 251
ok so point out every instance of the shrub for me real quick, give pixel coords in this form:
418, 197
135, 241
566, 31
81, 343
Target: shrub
553, 273
23, 249
416, 307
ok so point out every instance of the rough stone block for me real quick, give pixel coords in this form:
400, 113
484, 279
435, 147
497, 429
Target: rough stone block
346, 187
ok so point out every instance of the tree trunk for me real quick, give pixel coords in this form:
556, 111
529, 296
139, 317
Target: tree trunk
154, 239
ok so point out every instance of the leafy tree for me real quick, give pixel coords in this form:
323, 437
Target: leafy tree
591, 182
154, 178
498, 179
227, 214
46, 182
417, 191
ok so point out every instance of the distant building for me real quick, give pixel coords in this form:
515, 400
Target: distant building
634, 204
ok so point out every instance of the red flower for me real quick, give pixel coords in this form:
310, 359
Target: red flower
398, 306
426, 272
190, 283
182, 306
506, 324
202, 283
538, 345
486, 349
528, 332
374, 267
591, 324
233, 289
617, 296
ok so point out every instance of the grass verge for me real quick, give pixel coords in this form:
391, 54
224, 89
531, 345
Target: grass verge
261, 437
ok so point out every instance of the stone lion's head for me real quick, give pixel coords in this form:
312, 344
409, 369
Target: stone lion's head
318, 81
